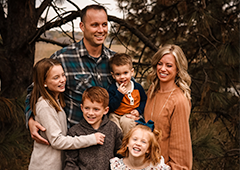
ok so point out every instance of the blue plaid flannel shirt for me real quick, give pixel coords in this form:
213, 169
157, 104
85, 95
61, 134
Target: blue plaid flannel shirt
82, 71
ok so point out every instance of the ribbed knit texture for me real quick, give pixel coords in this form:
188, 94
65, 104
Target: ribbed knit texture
173, 120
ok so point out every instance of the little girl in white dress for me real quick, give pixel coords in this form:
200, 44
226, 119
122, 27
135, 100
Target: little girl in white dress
140, 149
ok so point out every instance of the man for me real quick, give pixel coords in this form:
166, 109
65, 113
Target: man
85, 64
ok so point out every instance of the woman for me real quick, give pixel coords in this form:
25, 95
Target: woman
169, 105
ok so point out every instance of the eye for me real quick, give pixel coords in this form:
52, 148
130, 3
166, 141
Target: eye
104, 25
56, 77
96, 109
86, 108
134, 139
159, 63
95, 25
117, 74
169, 65
125, 72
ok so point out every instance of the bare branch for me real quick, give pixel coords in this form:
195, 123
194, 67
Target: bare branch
42, 7
3, 28
52, 42
73, 15
74, 5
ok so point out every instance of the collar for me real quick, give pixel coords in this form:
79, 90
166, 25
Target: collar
83, 51
132, 86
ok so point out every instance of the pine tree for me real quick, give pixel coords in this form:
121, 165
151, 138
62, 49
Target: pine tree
208, 32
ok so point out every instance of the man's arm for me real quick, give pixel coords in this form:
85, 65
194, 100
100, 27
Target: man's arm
33, 125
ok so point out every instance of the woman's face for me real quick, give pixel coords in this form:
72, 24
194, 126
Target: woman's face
167, 69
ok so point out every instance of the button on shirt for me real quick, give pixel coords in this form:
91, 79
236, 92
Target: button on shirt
82, 71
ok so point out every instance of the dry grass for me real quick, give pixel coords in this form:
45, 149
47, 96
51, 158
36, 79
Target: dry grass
45, 50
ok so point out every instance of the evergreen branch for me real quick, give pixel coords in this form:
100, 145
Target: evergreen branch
135, 31
139, 60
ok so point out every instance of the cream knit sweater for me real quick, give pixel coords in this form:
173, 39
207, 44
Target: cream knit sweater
50, 157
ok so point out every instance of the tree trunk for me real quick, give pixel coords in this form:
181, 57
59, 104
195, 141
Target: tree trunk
16, 73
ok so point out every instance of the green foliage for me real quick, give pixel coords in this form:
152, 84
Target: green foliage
15, 141
208, 32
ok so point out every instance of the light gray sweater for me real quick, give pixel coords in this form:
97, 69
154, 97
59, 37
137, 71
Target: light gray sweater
50, 157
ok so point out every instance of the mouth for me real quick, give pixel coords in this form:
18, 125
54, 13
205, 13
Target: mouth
122, 82
90, 118
100, 36
62, 86
136, 149
162, 74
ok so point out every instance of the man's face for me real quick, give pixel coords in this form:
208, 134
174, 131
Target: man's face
95, 27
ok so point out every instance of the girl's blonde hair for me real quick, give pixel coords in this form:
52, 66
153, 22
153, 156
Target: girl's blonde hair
182, 80
40, 73
154, 154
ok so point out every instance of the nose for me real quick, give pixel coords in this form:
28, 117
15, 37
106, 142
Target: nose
90, 112
100, 28
63, 78
163, 67
138, 143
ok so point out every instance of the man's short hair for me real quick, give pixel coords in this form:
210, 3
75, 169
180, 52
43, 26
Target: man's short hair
94, 6
96, 94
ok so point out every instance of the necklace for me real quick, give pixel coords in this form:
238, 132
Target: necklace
163, 105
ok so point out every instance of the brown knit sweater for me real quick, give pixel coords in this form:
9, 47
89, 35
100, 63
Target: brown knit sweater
173, 120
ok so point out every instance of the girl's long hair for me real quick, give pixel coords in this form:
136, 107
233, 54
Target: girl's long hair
154, 154
182, 80
40, 73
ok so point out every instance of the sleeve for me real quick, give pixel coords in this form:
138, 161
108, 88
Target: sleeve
143, 99
28, 112
115, 98
162, 165
180, 146
115, 163
71, 158
50, 120
118, 140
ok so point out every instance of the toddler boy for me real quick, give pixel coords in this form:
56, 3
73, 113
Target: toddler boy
94, 107
127, 97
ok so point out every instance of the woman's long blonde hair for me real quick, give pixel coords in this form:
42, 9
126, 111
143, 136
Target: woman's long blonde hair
182, 80
40, 72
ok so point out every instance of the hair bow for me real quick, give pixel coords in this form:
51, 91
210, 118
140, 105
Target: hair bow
149, 124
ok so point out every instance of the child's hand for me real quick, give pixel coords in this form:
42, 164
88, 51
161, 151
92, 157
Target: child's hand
122, 89
135, 112
99, 138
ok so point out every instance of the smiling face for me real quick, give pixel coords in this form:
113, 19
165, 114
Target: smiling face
94, 27
93, 112
138, 144
56, 80
122, 74
167, 69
